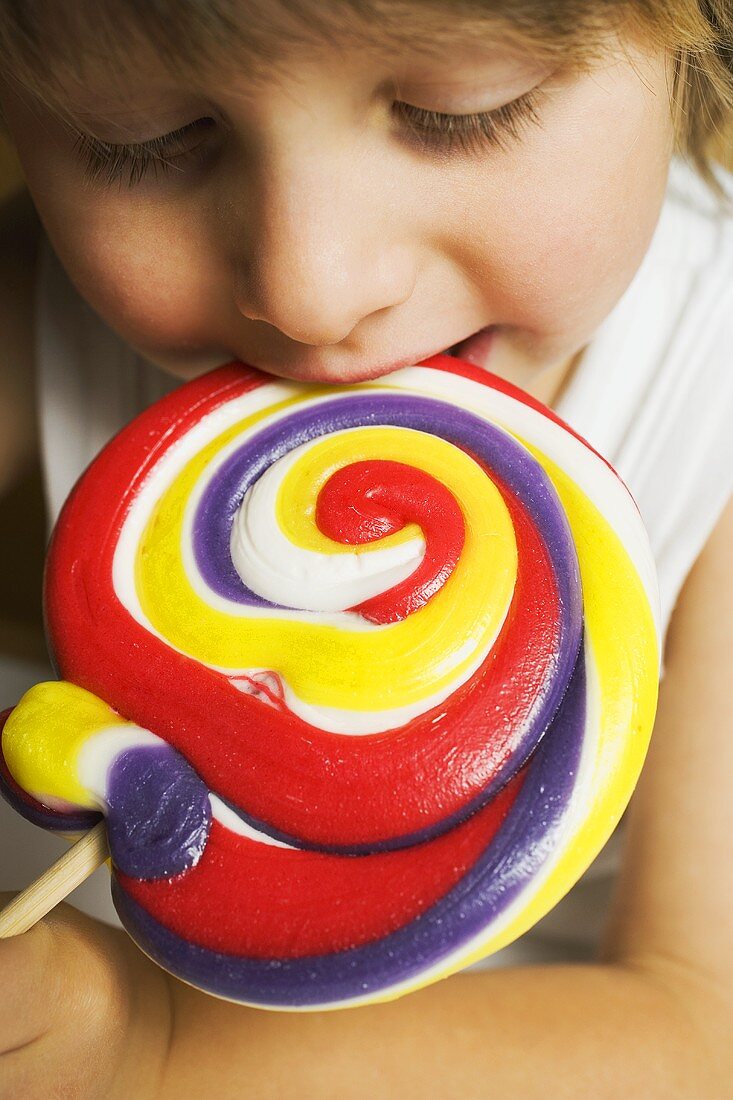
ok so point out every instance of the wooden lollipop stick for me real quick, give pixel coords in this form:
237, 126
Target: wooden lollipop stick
56, 883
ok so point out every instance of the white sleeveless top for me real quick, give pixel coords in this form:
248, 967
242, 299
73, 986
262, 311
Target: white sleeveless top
653, 393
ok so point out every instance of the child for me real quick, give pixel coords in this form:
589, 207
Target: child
329, 191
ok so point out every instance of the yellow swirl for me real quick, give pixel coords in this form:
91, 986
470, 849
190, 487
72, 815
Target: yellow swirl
325, 665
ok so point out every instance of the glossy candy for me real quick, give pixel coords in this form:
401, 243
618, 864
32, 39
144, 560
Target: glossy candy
373, 671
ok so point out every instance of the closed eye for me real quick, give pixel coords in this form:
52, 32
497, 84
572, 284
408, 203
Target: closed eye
472, 133
106, 162
432, 131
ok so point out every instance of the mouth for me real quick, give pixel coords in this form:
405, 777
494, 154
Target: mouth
475, 349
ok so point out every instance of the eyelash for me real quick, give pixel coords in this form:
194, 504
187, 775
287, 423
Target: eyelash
472, 133
105, 163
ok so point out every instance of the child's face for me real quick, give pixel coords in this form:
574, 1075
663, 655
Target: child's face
304, 231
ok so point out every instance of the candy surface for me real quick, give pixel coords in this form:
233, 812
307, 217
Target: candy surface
362, 677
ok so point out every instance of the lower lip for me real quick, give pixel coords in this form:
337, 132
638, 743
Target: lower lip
477, 348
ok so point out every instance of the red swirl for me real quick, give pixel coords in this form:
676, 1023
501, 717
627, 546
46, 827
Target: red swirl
366, 501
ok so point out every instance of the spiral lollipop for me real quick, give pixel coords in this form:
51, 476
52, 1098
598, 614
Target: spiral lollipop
361, 677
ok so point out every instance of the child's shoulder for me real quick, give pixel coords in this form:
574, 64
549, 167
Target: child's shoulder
696, 225
19, 238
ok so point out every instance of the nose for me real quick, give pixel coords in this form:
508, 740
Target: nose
321, 255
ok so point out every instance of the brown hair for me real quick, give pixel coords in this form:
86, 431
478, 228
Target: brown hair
39, 41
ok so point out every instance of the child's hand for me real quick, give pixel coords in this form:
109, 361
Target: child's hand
83, 1013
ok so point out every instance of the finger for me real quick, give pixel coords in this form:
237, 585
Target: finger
44, 973
28, 978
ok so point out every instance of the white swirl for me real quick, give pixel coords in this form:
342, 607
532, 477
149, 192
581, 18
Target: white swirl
272, 567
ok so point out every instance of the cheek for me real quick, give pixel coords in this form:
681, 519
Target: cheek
569, 224
156, 286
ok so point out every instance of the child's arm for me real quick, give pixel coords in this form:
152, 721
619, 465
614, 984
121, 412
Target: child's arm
84, 1011
19, 235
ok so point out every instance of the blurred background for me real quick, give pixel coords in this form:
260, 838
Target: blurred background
22, 539
25, 850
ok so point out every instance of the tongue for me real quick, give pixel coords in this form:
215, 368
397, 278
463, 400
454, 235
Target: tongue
476, 349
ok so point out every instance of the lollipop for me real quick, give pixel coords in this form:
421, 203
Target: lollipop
361, 677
